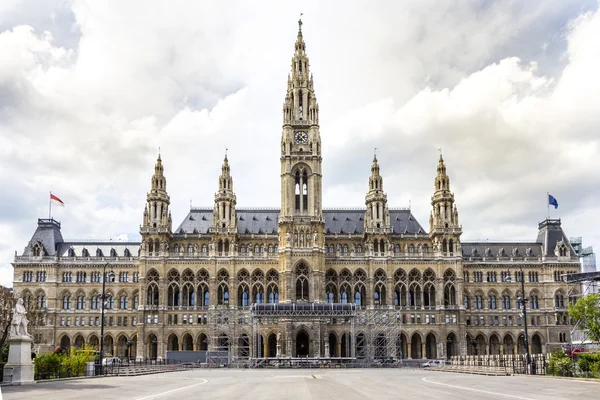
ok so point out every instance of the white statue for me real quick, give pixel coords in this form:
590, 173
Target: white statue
315, 237
19, 321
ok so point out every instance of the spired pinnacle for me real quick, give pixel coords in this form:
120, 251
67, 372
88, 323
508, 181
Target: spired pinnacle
300, 25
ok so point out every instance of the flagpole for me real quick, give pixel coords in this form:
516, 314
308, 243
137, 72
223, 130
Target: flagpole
548, 203
50, 206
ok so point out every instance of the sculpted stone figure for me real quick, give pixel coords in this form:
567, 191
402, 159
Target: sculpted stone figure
19, 323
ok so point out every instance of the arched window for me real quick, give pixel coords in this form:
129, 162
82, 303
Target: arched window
302, 292
66, 302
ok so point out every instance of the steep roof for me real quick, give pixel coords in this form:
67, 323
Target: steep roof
47, 233
257, 221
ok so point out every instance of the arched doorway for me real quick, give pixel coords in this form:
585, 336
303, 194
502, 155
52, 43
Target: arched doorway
260, 346
401, 346
481, 351
79, 342
333, 344
65, 343
121, 346
133, 348
108, 345
302, 341
509, 345
536, 344
451, 345
361, 346
244, 346
272, 344
202, 342
187, 342
521, 345
494, 345
346, 350
416, 349
223, 342
430, 346
94, 342
380, 345
173, 342
152, 346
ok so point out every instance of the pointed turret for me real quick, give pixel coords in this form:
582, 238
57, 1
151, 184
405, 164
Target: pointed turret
157, 224
377, 215
300, 105
443, 223
224, 216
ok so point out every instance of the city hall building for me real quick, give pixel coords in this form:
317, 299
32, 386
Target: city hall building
301, 280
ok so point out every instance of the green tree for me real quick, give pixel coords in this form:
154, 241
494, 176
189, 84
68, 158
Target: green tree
586, 312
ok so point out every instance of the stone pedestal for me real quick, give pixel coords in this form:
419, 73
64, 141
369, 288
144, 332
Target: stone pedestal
19, 368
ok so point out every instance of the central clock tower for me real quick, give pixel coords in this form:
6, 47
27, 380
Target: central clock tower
301, 218
300, 143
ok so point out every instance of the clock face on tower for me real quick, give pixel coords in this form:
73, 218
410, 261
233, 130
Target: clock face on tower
301, 137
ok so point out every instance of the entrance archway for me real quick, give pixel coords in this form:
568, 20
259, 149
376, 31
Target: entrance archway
430, 346
302, 341
152, 346
333, 345
272, 343
451, 346
346, 351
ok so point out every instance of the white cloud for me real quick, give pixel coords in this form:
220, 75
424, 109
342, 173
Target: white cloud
92, 89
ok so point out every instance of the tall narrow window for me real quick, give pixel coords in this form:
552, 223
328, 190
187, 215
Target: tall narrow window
304, 191
297, 193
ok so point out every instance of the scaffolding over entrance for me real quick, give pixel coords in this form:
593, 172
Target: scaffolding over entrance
340, 333
378, 339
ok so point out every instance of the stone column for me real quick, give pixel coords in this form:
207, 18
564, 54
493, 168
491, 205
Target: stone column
423, 350
408, 351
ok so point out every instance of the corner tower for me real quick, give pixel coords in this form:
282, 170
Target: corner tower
224, 225
301, 193
157, 224
444, 229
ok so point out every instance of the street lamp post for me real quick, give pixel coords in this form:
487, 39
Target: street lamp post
524, 308
104, 276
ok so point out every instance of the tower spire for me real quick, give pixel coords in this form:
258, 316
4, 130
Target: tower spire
377, 215
444, 229
157, 222
224, 216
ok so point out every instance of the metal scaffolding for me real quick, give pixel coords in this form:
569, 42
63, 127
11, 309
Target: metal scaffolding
378, 334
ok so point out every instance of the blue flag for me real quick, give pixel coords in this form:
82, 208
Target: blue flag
552, 201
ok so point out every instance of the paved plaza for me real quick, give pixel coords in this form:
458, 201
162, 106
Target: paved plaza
308, 384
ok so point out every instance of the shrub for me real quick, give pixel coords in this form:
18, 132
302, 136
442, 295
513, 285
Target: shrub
560, 364
50, 366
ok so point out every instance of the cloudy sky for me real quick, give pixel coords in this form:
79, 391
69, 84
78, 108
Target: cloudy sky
89, 90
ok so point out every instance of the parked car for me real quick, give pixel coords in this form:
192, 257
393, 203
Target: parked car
433, 363
111, 361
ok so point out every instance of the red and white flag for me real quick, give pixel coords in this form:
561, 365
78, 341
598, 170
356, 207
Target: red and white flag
56, 200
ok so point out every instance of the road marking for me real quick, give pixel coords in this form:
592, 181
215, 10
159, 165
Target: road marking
171, 391
477, 390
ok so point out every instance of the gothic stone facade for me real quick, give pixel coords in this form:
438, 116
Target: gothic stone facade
194, 288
